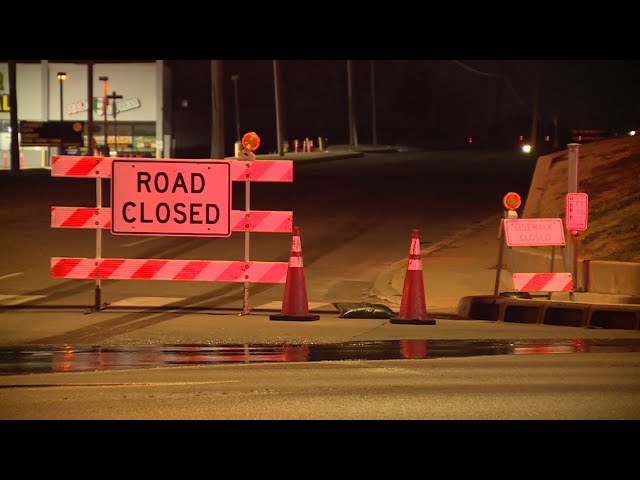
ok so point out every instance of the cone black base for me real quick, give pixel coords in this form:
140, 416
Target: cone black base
299, 318
411, 321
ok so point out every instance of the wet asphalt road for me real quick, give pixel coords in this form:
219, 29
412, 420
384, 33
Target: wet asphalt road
500, 387
349, 213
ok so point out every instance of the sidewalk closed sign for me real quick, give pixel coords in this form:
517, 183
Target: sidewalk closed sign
534, 232
172, 198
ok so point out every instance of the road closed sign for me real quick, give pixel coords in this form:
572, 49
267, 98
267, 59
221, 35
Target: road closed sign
173, 198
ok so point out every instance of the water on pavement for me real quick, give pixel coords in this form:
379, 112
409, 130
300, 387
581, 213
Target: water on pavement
83, 358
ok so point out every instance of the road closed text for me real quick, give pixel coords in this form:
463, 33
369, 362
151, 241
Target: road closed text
194, 213
171, 198
179, 212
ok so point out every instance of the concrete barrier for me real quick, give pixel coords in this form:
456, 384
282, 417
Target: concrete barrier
593, 276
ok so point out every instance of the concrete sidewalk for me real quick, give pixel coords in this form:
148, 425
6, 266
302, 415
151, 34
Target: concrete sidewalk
606, 281
458, 275
461, 279
607, 293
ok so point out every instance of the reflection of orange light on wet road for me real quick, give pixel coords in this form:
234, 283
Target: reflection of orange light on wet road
296, 354
413, 348
63, 361
139, 356
231, 354
529, 350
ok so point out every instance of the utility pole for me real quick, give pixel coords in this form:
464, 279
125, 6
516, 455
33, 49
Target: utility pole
235, 78
353, 135
13, 107
276, 85
90, 149
374, 133
498, 129
217, 110
534, 119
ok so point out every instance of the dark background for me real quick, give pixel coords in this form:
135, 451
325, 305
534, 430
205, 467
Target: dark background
425, 103
586, 56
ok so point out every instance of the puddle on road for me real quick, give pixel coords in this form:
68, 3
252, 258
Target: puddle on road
69, 358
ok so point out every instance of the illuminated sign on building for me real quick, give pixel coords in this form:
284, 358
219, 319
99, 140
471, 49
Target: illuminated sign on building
4, 103
98, 107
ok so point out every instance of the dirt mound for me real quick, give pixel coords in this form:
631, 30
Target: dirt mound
609, 172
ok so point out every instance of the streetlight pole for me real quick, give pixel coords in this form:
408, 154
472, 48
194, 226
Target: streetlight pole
90, 142
105, 81
98, 286
114, 97
62, 76
235, 78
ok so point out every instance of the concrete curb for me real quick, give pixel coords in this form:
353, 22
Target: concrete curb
546, 312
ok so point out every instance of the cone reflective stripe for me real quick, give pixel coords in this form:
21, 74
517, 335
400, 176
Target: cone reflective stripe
413, 307
295, 259
295, 305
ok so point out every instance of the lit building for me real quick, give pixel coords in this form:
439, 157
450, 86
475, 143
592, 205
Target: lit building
141, 125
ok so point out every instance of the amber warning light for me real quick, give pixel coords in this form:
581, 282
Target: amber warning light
251, 141
511, 201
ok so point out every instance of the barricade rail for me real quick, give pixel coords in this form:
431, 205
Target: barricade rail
100, 217
241, 170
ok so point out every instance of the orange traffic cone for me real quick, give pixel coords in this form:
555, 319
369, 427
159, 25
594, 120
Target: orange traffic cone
295, 305
413, 308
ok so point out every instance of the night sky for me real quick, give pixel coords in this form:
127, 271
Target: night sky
428, 103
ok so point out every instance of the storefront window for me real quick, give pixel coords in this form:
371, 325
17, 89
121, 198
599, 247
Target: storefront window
30, 157
5, 144
125, 139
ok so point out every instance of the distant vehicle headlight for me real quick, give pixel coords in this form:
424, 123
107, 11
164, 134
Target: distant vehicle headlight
526, 148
